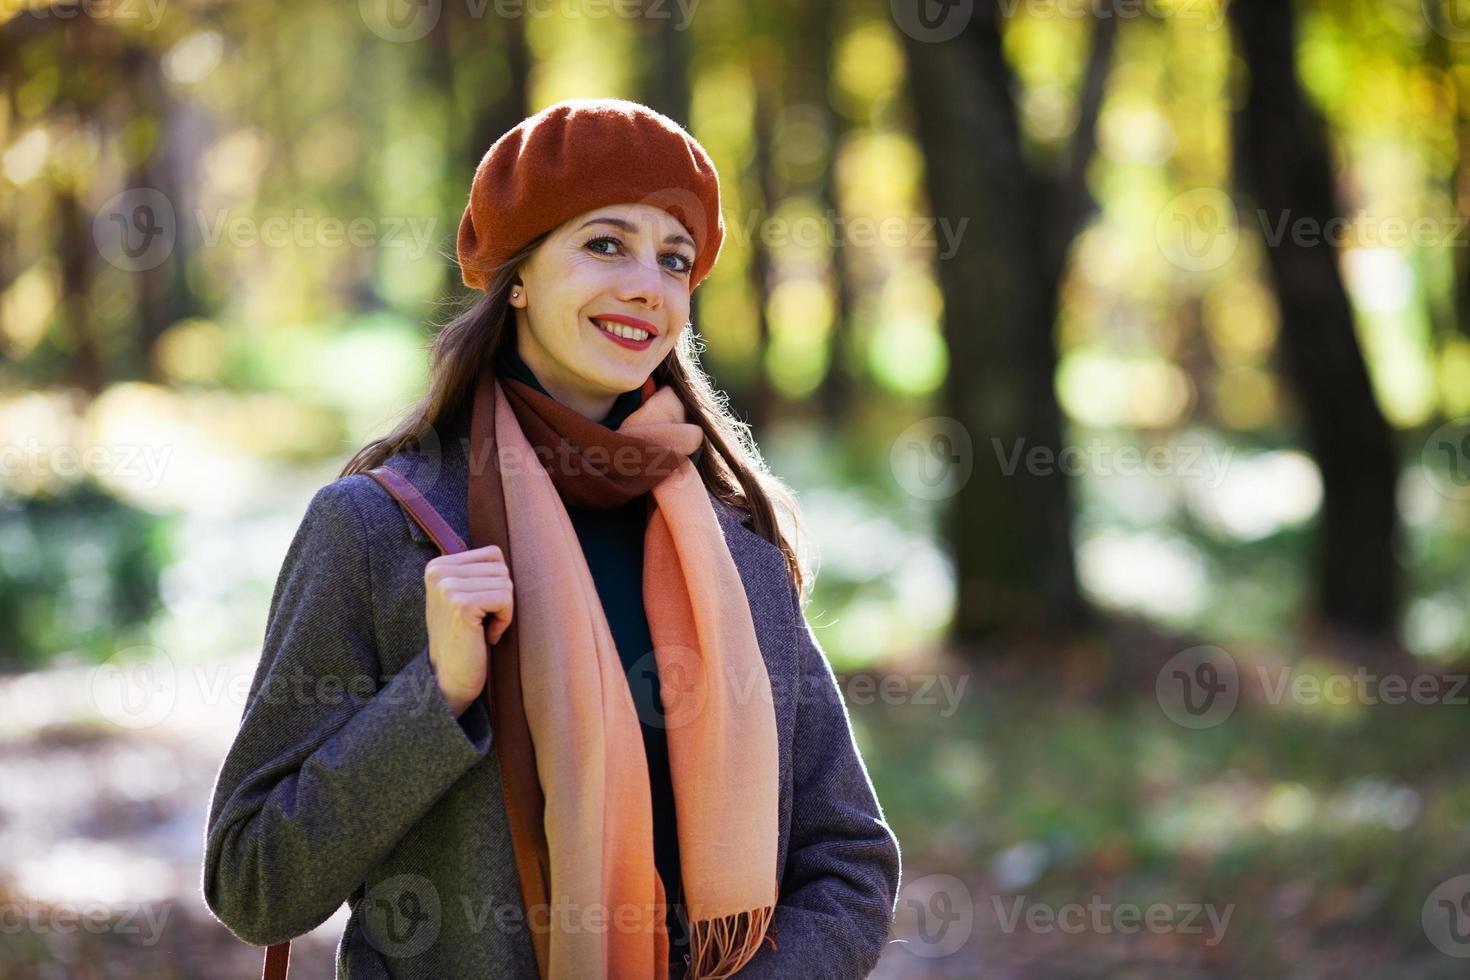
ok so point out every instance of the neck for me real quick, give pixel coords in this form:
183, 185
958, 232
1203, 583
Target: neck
593, 406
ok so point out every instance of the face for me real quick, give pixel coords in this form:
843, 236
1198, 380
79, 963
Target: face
602, 302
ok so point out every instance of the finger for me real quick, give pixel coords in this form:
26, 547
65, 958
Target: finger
489, 551
485, 601
492, 566
479, 569
475, 583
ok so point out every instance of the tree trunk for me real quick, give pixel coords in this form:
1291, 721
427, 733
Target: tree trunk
755, 398
164, 296
815, 28
488, 114
1283, 161
1441, 54
75, 248
1010, 524
665, 87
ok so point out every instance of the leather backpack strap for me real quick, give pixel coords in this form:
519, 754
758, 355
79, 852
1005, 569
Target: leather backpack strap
520, 786
276, 959
422, 512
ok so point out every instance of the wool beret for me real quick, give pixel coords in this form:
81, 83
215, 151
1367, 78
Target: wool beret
581, 154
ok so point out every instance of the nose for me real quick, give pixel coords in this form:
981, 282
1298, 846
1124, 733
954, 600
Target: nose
644, 282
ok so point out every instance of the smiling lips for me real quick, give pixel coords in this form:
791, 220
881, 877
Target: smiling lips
628, 331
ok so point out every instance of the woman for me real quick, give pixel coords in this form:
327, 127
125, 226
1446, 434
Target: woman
624, 626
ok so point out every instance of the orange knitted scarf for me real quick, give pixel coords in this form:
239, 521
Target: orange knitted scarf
529, 453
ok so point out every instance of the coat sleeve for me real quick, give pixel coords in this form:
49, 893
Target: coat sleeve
332, 762
839, 892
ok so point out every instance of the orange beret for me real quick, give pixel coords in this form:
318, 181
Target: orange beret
581, 154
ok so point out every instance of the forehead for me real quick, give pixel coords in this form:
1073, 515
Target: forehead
638, 219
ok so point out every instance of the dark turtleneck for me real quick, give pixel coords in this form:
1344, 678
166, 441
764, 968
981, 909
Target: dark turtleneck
612, 543
510, 364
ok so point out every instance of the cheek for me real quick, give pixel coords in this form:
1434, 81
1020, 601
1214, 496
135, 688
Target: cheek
672, 341
576, 300
588, 276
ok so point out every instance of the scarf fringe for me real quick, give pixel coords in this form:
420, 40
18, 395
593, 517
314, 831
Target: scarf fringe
720, 947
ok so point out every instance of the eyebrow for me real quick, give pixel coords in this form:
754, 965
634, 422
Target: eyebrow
628, 226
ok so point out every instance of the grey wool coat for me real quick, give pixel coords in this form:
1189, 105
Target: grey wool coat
351, 780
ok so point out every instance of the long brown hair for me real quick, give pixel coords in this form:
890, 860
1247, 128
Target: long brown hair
731, 465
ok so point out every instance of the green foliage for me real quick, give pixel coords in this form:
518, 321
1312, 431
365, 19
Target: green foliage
79, 574
1321, 830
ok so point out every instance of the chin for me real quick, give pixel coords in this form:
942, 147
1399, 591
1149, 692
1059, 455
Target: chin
616, 379
627, 381
627, 372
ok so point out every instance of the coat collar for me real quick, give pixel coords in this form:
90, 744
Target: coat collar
439, 468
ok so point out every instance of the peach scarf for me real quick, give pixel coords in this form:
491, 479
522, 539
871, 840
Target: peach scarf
607, 900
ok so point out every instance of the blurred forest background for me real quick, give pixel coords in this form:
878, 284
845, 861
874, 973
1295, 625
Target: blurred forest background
1119, 351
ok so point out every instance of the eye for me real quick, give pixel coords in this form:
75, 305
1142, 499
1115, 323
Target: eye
601, 238
686, 266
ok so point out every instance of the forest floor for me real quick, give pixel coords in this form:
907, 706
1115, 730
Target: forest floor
1055, 823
